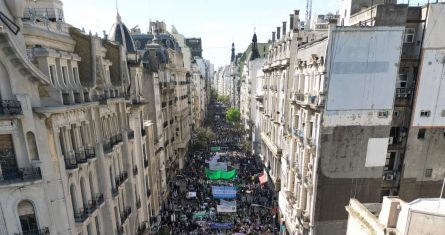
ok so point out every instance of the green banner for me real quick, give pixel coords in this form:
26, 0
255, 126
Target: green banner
215, 149
199, 215
216, 174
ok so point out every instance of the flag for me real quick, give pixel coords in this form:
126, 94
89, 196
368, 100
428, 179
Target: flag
262, 177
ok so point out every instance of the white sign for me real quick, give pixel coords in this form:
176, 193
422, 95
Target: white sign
225, 209
191, 195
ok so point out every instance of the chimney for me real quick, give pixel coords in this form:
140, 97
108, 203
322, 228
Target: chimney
278, 33
273, 36
297, 20
284, 29
291, 23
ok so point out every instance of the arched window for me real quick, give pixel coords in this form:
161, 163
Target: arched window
32, 146
27, 216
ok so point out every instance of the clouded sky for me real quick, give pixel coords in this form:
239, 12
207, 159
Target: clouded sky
217, 22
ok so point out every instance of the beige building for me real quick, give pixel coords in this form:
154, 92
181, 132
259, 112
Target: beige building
425, 216
91, 129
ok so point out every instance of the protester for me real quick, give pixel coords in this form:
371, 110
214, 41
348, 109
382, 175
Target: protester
192, 209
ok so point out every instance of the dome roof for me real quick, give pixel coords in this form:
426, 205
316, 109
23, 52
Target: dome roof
120, 33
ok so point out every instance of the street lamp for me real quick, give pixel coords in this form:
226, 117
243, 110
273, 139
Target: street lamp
270, 208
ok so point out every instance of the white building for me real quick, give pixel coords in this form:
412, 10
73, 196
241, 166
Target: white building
424, 216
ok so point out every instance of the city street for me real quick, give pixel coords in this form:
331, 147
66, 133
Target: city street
219, 192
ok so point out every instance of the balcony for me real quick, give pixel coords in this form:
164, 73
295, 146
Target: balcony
130, 134
43, 231
121, 178
81, 157
20, 175
135, 170
107, 145
90, 153
116, 139
70, 161
115, 192
81, 216
146, 163
125, 214
10, 107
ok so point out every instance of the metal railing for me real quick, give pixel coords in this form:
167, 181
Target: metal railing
80, 157
107, 145
70, 161
10, 107
130, 134
114, 191
125, 214
81, 216
43, 231
121, 178
21, 175
90, 153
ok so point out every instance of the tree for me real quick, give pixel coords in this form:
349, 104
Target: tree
233, 115
246, 147
202, 137
224, 99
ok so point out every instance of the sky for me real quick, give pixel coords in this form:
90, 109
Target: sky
217, 22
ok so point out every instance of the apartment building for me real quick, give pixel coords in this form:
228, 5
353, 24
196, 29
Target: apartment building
92, 129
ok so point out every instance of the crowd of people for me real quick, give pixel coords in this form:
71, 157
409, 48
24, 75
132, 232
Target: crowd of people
192, 209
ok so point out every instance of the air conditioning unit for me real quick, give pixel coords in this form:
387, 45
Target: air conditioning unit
391, 140
389, 177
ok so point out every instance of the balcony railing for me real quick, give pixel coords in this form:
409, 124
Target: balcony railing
121, 178
116, 139
130, 134
10, 107
80, 157
125, 214
21, 175
107, 145
114, 191
70, 161
43, 231
81, 216
90, 153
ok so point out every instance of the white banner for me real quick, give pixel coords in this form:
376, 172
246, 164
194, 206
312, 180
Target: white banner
218, 166
225, 209
223, 202
191, 194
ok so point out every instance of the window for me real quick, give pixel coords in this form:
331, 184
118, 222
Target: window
52, 74
403, 84
27, 217
421, 134
64, 75
409, 35
396, 114
428, 172
425, 113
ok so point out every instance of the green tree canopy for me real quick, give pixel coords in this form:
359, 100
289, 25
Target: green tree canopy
233, 115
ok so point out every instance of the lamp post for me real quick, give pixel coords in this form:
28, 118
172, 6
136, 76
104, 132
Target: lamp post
270, 208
